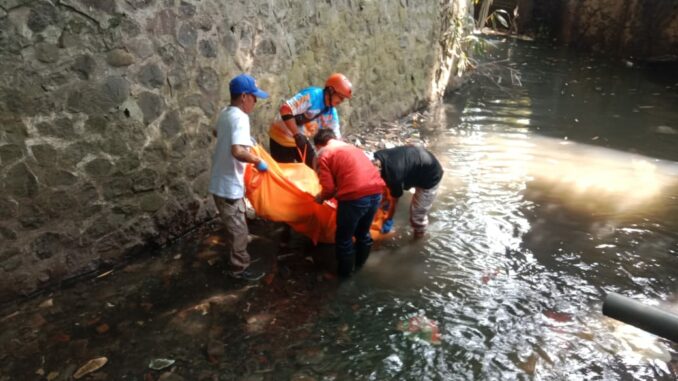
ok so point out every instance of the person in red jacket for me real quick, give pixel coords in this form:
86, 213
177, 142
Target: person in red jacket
347, 174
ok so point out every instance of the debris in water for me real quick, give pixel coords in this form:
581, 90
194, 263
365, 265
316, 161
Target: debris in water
160, 363
47, 303
420, 328
90, 366
102, 328
561, 317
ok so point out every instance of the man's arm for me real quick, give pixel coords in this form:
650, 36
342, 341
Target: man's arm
242, 153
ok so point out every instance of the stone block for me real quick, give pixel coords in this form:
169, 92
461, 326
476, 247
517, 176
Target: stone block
60, 128
208, 80
74, 153
41, 15
46, 52
8, 208
207, 48
47, 244
20, 181
93, 99
14, 129
151, 106
57, 203
117, 187
10, 153
44, 154
7, 233
58, 178
99, 167
119, 57
84, 66
151, 76
186, 9
145, 180
187, 36
141, 47
171, 124
151, 202
31, 216
164, 22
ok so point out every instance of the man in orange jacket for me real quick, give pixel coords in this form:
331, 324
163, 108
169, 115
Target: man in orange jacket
345, 173
308, 111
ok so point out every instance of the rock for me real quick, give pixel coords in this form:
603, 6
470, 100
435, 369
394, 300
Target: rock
208, 80
98, 167
151, 202
13, 261
14, 129
47, 53
164, 22
58, 178
151, 76
119, 57
141, 47
8, 209
160, 363
7, 233
187, 35
119, 186
41, 15
145, 180
74, 153
186, 9
31, 217
61, 128
10, 153
44, 154
207, 48
84, 66
46, 245
171, 124
97, 99
20, 181
151, 106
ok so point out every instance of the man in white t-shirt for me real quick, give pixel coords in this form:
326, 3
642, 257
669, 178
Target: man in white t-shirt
227, 183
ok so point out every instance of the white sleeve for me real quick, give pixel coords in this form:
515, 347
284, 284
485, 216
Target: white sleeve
241, 131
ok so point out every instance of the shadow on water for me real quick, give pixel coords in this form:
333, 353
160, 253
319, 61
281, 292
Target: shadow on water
560, 185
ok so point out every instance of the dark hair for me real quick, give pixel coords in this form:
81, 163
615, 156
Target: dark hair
323, 136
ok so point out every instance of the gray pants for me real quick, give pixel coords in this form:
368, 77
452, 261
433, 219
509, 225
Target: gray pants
422, 200
232, 213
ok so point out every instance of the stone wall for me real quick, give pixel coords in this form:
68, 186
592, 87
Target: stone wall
106, 109
646, 29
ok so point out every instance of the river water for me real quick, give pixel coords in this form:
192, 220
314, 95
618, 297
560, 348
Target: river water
561, 184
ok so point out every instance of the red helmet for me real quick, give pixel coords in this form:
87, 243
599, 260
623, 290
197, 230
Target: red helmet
340, 84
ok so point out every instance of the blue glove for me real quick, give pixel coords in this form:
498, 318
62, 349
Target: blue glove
262, 166
387, 226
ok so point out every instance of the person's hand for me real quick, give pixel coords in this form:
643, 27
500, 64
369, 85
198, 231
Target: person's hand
319, 199
387, 226
262, 166
300, 140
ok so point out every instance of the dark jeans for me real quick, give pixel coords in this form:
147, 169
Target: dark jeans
283, 154
354, 219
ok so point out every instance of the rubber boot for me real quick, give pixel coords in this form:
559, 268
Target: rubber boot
344, 266
362, 252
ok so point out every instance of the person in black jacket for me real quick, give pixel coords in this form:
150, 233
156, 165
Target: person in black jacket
403, 168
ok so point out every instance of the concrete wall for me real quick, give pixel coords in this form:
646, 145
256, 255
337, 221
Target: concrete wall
106, 108
627, 28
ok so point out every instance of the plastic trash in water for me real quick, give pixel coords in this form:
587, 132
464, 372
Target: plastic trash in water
420, 328
158, 364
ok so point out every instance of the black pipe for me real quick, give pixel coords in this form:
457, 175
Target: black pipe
647, 318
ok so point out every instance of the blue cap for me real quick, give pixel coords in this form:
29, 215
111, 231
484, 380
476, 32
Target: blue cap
245, 84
